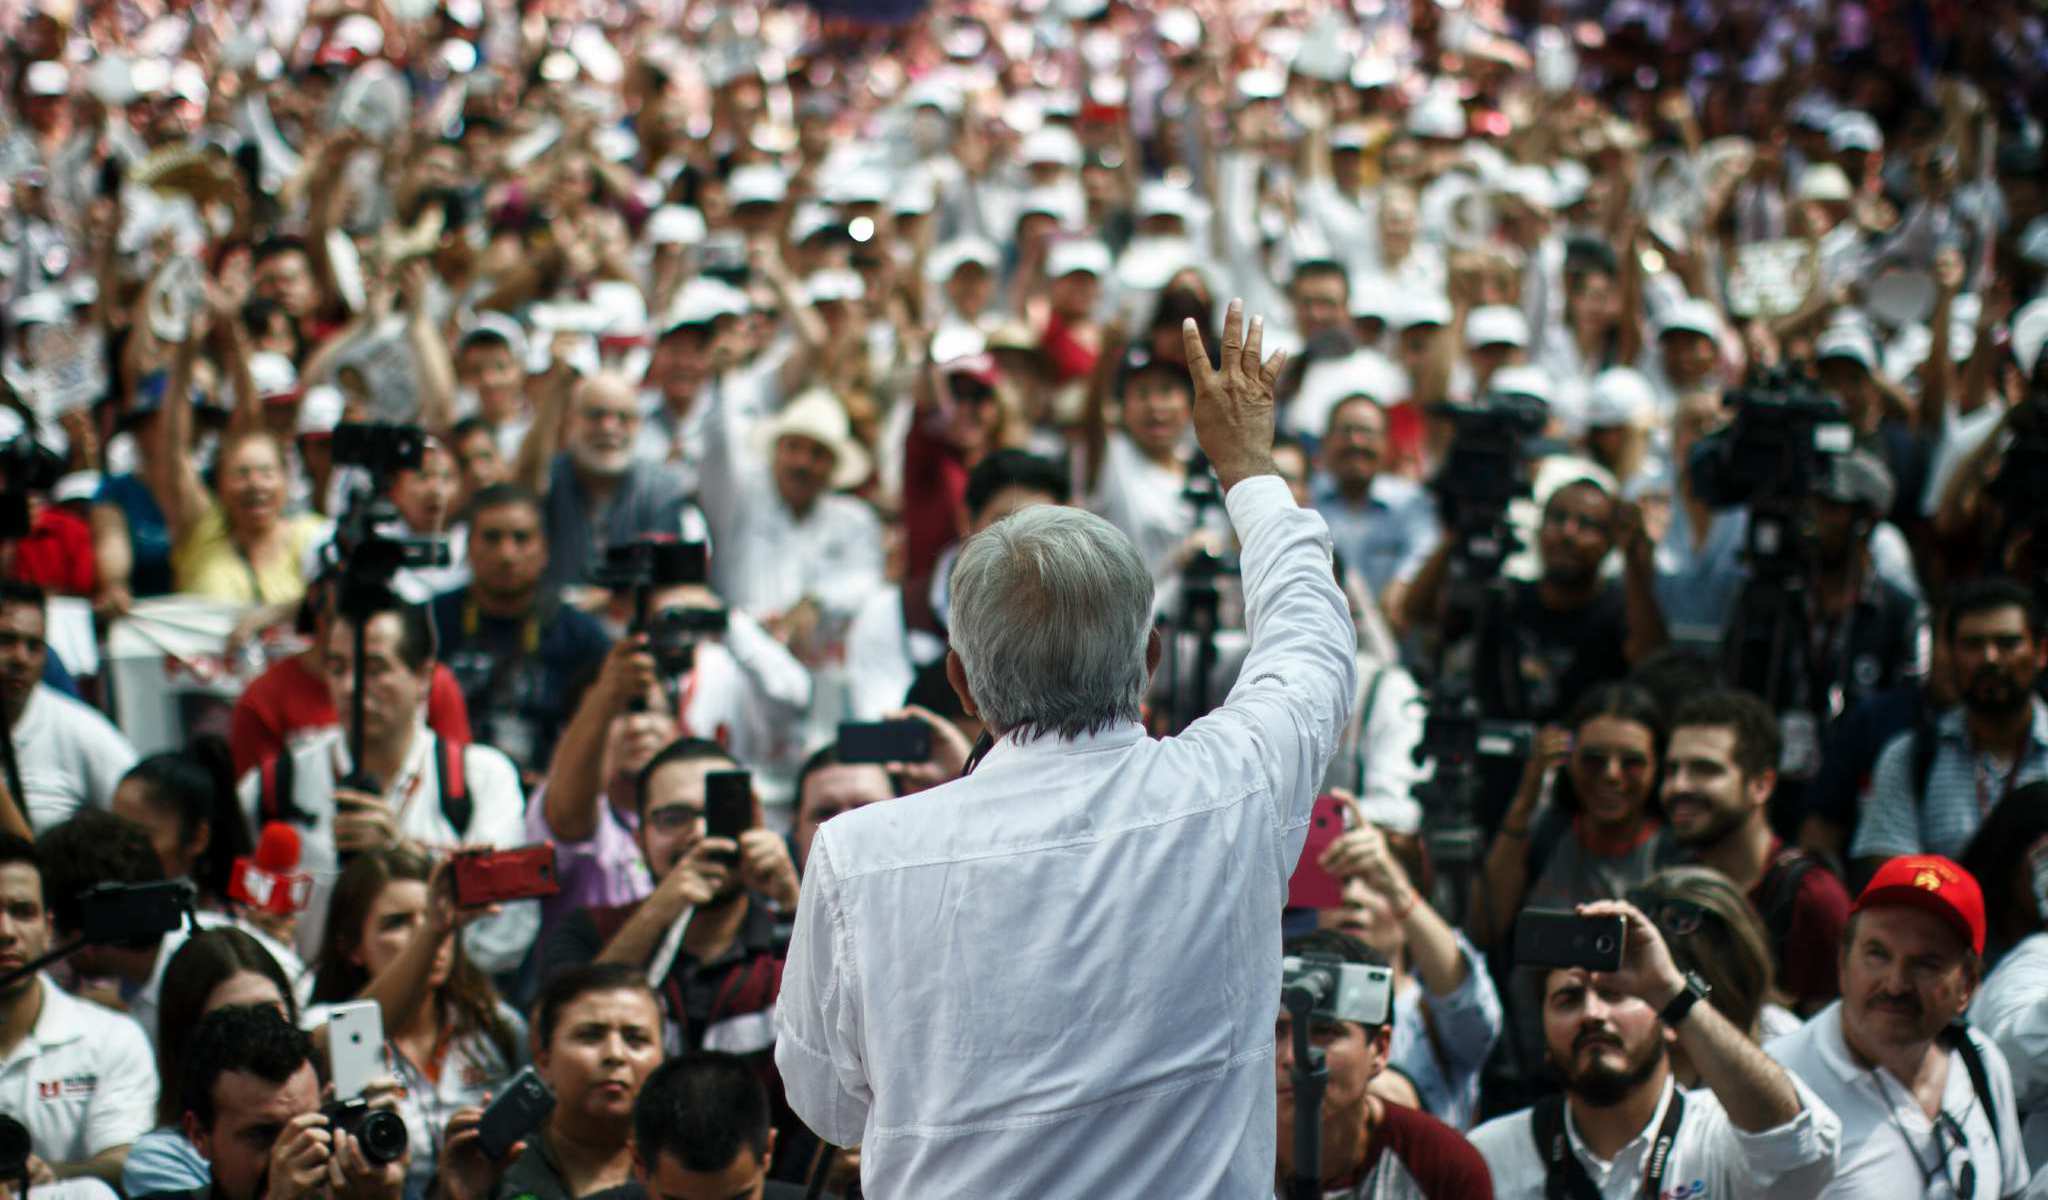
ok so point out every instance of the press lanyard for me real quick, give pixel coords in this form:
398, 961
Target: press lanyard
1566, 1175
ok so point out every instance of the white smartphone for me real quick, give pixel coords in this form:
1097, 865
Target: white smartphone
355, 1047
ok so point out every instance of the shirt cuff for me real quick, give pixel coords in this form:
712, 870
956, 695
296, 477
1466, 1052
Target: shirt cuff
1808, 1138
1255, 498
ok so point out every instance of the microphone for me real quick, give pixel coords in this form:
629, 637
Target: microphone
269, 881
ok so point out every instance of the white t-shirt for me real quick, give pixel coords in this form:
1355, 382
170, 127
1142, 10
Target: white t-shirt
70, 757
1889, 1146
83, 1080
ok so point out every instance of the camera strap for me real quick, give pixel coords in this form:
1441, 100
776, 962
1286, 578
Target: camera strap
1565, 1176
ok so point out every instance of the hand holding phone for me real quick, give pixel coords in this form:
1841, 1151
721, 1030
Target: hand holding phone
495, 876
517, 1112
1549, 938
355, 1048
904, 741
1313, 885
728, 808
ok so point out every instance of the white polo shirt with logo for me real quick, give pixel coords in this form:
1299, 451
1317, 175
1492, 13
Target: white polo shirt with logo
83, 1080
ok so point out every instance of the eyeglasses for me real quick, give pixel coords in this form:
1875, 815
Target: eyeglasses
674, 818
1595, 759
1950, 1141
1676, 918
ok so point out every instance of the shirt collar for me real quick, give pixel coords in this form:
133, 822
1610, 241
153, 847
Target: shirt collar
62, 1018
1642, 1137
1950, 725
1009, 751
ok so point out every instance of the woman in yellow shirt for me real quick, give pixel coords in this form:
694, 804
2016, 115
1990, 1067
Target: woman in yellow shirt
235, 543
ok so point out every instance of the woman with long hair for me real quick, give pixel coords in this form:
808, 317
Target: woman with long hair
391, 937
1582, 826
187, 803
1711, 928
213, 969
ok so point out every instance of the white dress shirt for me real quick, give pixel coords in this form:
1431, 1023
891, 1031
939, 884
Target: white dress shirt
69, 755
83, 1081
1889, 1146
766, 558
497, 818
1058, 976
2008, 1010
1710, 1158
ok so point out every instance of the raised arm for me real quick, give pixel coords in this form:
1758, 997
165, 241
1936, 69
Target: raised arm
168, 469
1296, 685
576, 778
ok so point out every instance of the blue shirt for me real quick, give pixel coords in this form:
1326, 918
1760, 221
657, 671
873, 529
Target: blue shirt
149, 535
162, 1161
1445, 1068
1963, 785
1386, 538
1700, 576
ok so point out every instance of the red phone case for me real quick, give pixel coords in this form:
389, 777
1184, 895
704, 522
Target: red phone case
1311, 886
493, 876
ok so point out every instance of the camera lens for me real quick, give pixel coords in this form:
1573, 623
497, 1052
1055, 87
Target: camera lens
1604, 943
381, 1134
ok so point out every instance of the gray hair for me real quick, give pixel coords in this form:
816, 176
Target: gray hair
1050, 608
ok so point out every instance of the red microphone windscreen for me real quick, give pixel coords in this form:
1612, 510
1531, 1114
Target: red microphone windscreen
277, 851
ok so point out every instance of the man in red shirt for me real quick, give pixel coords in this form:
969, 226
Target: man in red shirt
1371, 1146
1719, 771
292, 698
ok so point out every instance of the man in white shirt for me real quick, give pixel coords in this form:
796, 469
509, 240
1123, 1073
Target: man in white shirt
1927, 1106
1623, 1127
439, 795
82, 1079
66, 754
1087, 928
2008, 1010
786, 546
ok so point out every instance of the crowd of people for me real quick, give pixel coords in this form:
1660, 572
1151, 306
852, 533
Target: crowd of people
570, 405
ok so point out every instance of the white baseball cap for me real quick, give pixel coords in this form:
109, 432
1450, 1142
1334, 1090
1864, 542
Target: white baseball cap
1846, 341
1075, 255
951, 256
756, 183
1495, 325
1053, 145
1825, 183
1691, 316
1852, 130
1619, 396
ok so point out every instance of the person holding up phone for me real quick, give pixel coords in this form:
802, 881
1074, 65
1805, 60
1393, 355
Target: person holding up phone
1754, 1129
1447, 1012
708, 936
449, 1039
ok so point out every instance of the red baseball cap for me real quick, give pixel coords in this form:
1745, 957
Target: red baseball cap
979, 367
1932, 883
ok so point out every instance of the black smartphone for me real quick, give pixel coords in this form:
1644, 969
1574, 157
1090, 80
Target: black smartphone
111, 175
728, 806
1547, 938
517, 1111
906, 741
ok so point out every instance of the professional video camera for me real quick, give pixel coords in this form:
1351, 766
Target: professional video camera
368, 557
1785, 428
25, 466
645, 565
1485, 470
1188, 668
133, 915
383, 451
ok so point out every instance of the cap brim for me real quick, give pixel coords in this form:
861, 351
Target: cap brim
1909, 896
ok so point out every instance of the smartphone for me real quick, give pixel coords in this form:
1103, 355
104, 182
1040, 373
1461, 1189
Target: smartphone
355, 1047
110, 176
905, 741
1311, 885
728, 806
517, 1112
492, 876
1547, 938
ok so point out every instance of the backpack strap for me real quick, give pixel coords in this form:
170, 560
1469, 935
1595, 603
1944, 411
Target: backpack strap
1781, 884
275, 798
455, 802
1358, 755
1957, 1038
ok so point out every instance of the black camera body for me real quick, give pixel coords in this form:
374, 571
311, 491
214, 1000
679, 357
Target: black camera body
1486, 467
379, 448
673, 634
379, 1131
25, 466
133, 914
641, 566
1785, 432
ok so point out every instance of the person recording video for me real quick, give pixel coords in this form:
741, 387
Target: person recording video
1370, 1146
435, 792
252, 1109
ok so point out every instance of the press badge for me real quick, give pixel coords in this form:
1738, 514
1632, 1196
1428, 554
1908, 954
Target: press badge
1800, 732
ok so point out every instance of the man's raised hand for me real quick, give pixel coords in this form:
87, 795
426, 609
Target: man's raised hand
1234, 400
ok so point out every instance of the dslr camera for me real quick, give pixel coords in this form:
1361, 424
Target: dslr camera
379, 1131
645, 565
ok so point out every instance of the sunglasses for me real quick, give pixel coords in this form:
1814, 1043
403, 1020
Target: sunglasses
1592, 758
1676, 918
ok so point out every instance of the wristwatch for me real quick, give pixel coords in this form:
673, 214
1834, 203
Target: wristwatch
1696, 990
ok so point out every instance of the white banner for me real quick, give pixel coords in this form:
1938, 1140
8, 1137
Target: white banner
171, 676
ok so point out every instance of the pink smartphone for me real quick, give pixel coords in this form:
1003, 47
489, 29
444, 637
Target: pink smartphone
1312, 886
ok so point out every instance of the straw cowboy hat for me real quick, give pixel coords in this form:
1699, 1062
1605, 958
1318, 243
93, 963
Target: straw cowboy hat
818, 415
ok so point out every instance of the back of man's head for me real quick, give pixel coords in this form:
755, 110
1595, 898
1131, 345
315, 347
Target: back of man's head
1050, 612
706, 1111
92, 847
253, 1039
1011, 469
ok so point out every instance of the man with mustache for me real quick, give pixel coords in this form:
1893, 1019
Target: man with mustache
1920, 1097
1383, 526
1719, 771
1930, 794
1622, 1127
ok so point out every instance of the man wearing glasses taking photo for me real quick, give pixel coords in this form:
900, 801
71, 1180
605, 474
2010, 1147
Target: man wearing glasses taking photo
1927, 1106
